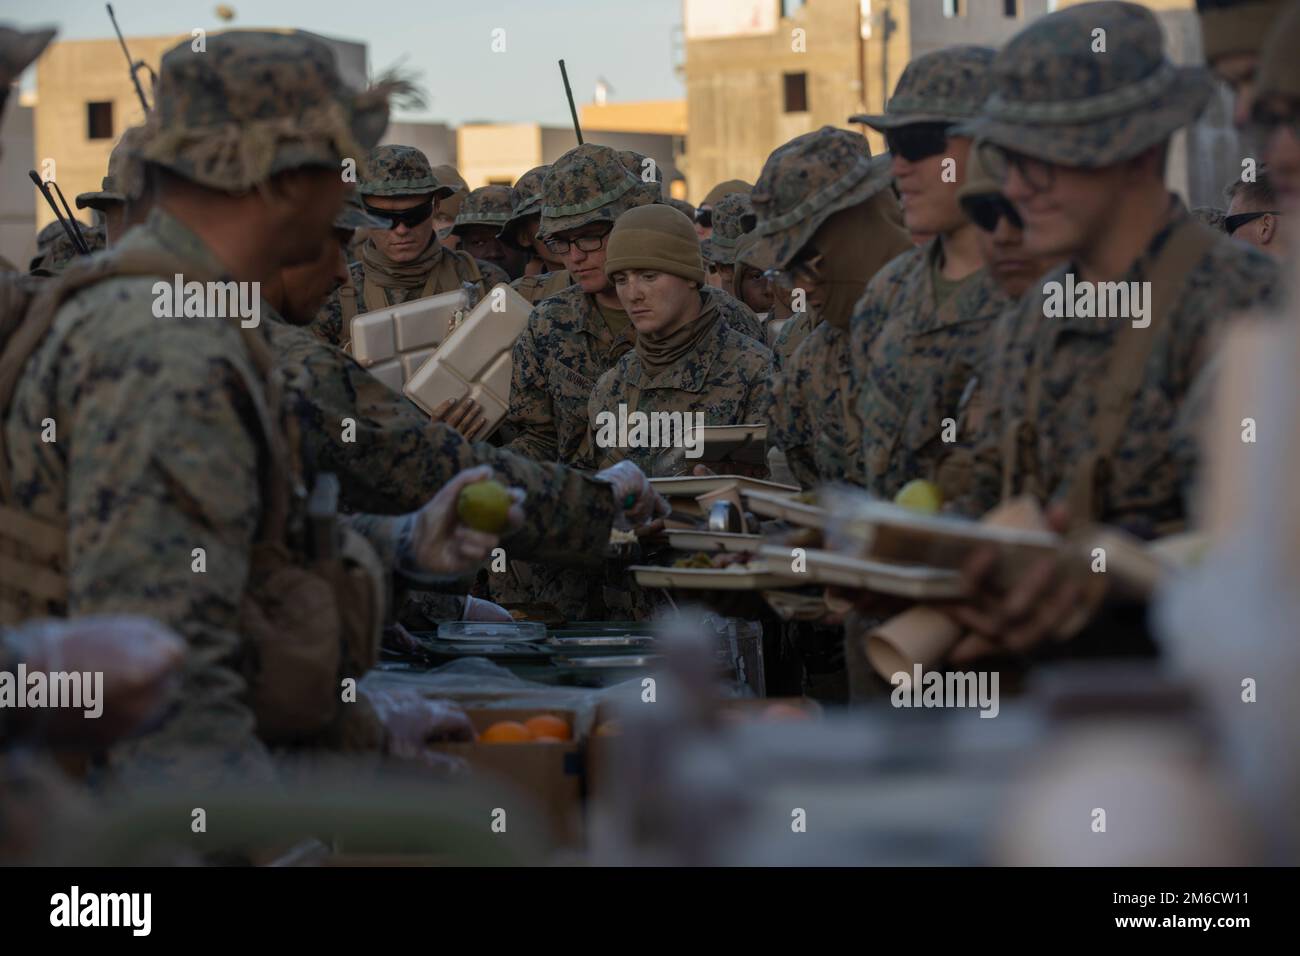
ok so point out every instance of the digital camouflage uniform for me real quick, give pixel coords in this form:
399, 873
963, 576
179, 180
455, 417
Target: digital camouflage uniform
912, 356
159, 446
728, 379
528, 203
54, 250
803, 183
399, 171
1139, 482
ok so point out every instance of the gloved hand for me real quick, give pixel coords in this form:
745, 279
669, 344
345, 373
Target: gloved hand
139, 660
638, 502
442, 544
413, 722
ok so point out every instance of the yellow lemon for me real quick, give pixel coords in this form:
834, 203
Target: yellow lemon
484, 506
920, 495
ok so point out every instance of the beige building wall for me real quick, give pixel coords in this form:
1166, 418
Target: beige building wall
497, 153
69, 75
667, 117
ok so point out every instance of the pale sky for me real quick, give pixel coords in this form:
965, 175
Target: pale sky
627, 42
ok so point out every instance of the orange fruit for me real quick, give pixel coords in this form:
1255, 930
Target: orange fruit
548, 725
506, 732
785, 712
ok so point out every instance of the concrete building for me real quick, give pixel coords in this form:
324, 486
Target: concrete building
760, 72
17, 195
85, 99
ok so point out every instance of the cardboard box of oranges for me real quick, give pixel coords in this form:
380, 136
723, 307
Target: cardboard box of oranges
535, 752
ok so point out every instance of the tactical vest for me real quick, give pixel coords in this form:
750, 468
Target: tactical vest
307, 622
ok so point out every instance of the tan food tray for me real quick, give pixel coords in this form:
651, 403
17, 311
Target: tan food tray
475, 358
788, 509
693, 540
827, 567
746, 444
394, 342
706, 579
690, 486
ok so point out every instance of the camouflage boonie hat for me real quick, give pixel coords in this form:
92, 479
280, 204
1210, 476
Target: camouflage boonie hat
635, 163
803, 183
18, 50
726, 188
728, 226
528, 202
588, 184
1056, 100
485, 206
54, 250
946, 86
124, 176
255, 104
353, 215
394, 170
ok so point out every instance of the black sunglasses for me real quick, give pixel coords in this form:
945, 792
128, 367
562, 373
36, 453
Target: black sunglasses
704, 217
917, 141
1037, 174
1232, 223
1265, 117
987, 209
410, 218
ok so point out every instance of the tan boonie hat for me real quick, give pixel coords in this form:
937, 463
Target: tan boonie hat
655, 236
485, 206
1232, 27
1279, 68
18, 50
353, 215
395, 170
1053, 98
726, 188
589, 184
124, 176
803, 183
254, 104
528, 202
729, 214
946, 86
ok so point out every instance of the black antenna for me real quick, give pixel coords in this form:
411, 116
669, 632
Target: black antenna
81, 240
573, 110
74, 236
131, 65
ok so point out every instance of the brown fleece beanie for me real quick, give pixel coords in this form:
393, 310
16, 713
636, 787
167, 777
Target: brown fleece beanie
656, 237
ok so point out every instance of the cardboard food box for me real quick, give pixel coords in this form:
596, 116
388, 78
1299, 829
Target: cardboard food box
474, 359
548, 776
394, 342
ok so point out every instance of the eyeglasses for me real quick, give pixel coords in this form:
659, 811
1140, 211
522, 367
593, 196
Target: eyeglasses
917, 141
1232, 223
1037, 174
410, 218
586, 243
988, 209
704, 217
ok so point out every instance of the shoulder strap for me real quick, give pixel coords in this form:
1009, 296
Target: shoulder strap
1131, 352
